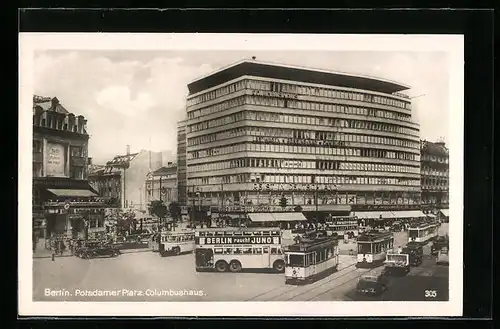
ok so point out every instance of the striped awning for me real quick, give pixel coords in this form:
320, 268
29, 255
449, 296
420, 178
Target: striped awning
409, 214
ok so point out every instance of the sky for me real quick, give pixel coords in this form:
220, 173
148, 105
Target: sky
136, 97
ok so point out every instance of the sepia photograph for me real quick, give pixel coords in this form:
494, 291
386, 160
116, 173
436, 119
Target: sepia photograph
203, 174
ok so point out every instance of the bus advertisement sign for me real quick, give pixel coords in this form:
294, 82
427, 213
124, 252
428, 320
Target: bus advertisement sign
238, 240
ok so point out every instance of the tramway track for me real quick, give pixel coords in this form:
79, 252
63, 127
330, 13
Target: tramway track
361, 273
332, 280
317, 284
286, 288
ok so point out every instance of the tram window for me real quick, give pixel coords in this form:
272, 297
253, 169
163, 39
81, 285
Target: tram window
218, 251
296, 260
266, 250
247, 250
364, 248
257, 250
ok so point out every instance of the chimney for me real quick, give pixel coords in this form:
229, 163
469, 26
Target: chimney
89, 160
128, 149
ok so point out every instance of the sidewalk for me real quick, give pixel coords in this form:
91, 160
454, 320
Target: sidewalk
42, 252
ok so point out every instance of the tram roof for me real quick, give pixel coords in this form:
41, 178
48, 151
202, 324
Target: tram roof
306, 245
373, 236
422, 224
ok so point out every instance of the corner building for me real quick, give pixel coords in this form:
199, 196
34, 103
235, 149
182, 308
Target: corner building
327, 142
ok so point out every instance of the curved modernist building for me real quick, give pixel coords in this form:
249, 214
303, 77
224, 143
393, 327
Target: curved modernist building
258, 133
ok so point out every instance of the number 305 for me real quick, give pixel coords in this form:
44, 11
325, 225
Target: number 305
430, 293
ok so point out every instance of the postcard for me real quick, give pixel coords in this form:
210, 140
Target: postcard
240, 175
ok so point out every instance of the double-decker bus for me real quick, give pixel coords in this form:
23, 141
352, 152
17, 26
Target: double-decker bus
310, 259
423, 231
372, 248
176, 242
234, 249
342, 225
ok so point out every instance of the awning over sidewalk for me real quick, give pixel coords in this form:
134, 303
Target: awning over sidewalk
289, 217
261, 217
277, 217
373, 214
71, 193
445, 212
409, 214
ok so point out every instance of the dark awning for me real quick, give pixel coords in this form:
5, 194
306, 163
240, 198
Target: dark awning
71, 193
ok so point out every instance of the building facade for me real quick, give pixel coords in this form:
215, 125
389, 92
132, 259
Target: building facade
435, 179
122, 179
64, 204
324, 141
161, 185
181, 164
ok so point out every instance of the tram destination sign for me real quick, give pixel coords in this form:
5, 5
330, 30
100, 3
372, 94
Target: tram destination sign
238, 240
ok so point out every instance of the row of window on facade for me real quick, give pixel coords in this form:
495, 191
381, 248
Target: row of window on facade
438, 173
48, 120
75, 172
256, 202
352, 152
75, 151
302, 179
296, 88
302, 164
300, 119
433, 158
286, 136
434, 182
298, 105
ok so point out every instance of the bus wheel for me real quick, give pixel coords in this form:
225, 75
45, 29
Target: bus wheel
221, 266
235, 266
279, 266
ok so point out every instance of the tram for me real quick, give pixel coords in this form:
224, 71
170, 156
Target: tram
310, 259
372, 248
423, 231
342, 226
176, 242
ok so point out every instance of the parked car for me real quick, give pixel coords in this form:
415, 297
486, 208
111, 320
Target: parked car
98, 249
372, 285
443, 257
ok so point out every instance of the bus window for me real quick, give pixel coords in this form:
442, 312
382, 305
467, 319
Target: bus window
413, 233
247, 250
228, 251
257, 250
257, 233
296, 260
274, 251
266, 250
237, 233
218, 251
266, 233
237, 251
247, 233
